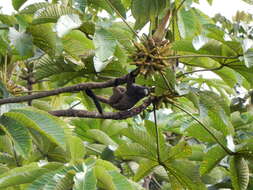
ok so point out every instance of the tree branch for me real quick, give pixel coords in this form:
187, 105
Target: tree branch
74, 88
194, 56
107, 115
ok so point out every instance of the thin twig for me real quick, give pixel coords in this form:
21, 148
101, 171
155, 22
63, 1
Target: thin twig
157, 134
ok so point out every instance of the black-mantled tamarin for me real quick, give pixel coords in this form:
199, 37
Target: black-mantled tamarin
122, 98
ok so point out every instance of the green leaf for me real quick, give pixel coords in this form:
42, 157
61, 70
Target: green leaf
66, 23
187, 23
52, 13
213, 156
244, 71
145, 167
142, 138
18, 133
80, 5
249, 2
54, 179
47, 67
106, 6
22, 175
101, 137
85, 181
186, 174
7, 159
180, 150
45, 39
46, 124
17, 3
8, 19
132, 150
105, 45
248, 57
76, 148
31, 9
82, 44
214, 112
22, 42
112, 180
145, 10
239, 171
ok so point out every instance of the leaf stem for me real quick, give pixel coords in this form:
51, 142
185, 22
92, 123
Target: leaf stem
157, 135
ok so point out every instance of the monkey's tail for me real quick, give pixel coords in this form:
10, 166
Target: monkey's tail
90, 93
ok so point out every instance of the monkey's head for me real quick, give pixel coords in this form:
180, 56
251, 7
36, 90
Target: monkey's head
139, 91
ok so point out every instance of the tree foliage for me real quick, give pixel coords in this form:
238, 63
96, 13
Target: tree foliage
194, 131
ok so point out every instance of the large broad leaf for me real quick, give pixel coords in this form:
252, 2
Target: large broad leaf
18, 3
214, 112
213, 156
84, 181
8, 19
25, 174
47, 67
239, 171
76, 148
247, 45
249, 2
46, 39
244, 71
7, 159
56, 179
134, 150
145, 10
18, 133
80, 5
52, 13
105, 45
22, 42
162, 146
101, 137
188, 23
31, 9
186, 174
66, 23
180, 150
83, 45
46, 124
145, 167
104, 4
112, 180
142, 138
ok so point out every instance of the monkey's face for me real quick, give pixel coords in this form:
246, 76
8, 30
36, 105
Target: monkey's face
140, 91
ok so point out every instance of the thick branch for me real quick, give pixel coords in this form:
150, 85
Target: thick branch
74, 88
107, 115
